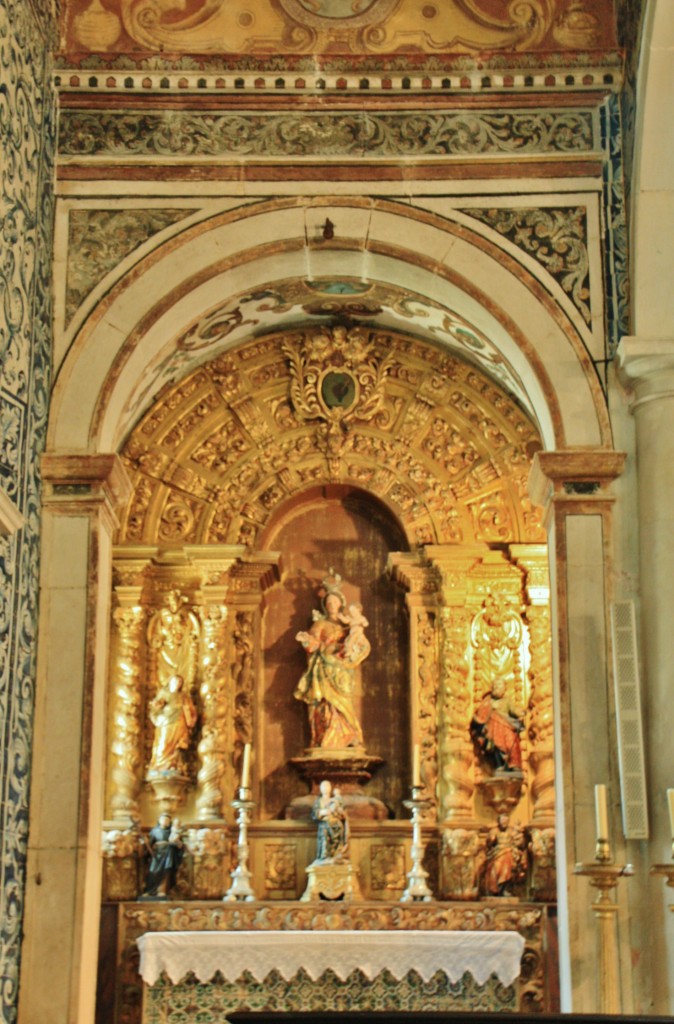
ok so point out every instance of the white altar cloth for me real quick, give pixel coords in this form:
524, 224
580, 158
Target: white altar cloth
232, 953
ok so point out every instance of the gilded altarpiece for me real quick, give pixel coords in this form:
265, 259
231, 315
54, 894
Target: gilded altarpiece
384, 442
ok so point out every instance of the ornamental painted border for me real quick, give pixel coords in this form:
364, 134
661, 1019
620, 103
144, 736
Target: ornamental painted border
178, 134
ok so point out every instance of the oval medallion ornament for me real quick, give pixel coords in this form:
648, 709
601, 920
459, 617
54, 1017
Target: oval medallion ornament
338, 389
324, 13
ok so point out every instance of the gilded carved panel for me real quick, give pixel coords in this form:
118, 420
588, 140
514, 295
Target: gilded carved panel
441, 445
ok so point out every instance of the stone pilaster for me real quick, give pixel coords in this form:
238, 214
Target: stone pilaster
573, 486
63, 888
647, 366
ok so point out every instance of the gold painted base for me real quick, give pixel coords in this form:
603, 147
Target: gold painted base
332, 881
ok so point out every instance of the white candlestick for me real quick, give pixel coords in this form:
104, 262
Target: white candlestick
245, 768
601, 812
670, 801
416, 766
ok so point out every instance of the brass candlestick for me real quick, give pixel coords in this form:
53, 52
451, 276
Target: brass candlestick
417, 888
603, 875
668, 871
241, 889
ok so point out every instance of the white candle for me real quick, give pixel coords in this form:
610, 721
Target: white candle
670, 801
245, 768
416, 766
601, 812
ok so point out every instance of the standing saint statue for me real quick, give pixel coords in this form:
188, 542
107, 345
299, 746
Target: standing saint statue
496, 726
335, 645
174, 716
166, 850
506, 857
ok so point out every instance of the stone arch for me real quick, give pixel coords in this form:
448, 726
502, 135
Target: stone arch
135, 338
121, 356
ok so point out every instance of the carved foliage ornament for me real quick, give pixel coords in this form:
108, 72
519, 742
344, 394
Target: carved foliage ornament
221, 450
337, 376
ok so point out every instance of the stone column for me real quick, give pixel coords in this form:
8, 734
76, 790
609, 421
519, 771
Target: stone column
573, 487
63, 884
648, 366
126, 730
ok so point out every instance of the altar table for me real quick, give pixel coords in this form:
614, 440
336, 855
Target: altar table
203, 954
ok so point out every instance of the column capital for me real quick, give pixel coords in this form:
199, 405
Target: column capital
80, 482
579, 476
647, 365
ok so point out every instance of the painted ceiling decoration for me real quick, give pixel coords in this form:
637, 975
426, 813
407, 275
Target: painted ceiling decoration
446, 449
350, 27
287, 304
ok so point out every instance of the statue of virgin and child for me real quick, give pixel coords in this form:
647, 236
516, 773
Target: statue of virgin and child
335, 645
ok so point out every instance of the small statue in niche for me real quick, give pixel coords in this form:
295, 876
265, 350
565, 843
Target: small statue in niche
496, 726
174, 716
166, 849
335, 644
333, 824
506, 862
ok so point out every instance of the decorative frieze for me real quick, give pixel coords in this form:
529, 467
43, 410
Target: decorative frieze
104, 134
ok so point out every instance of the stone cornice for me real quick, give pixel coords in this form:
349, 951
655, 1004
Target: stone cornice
597, 76
574, 474
76, 482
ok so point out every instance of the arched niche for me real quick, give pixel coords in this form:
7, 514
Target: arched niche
345, 529
370, 454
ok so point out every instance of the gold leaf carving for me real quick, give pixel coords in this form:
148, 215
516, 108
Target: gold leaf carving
126, 713
280, 873
217, 454
387, 868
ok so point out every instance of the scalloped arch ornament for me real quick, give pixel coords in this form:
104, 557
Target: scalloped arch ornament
444, 447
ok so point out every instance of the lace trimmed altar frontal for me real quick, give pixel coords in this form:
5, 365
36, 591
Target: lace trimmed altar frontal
481, 954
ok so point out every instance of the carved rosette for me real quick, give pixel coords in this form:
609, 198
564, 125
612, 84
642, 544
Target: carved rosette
541, 724
212, 748
462, 859
456, 753
126, 714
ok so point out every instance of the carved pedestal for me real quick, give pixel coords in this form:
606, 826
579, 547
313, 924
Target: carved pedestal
169, 789
331, 881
